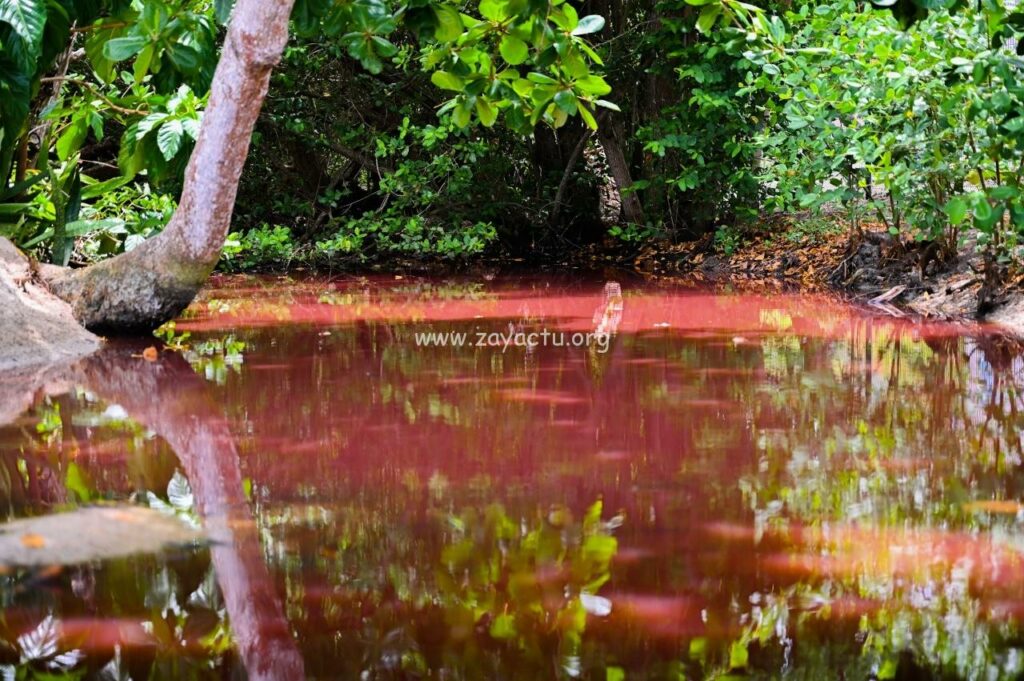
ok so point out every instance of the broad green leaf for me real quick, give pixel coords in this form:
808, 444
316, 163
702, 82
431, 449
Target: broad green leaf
513, 50
707, 18
120, 49
191, 126
1015, 124
449, 23
384, 47
77, 481
461, 113
168, 138
956, 209
594, 85
738, 655
222, 10
447, 81
566, 101
493, 10
151, 121
184, 57
486, 111
72, 138
984, 215
27, 19
94, 45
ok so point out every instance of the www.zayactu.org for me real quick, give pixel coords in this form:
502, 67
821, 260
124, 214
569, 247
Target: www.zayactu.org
514, 339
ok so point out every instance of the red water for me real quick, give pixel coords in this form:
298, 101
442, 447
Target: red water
767, 485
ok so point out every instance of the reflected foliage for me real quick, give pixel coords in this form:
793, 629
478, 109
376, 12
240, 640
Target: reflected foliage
787, 486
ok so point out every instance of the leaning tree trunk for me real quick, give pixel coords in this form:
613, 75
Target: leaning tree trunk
149, 285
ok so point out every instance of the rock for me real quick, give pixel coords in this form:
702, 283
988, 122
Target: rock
36, 327
90, 534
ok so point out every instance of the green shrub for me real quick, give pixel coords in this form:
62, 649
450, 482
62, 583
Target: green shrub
265, 247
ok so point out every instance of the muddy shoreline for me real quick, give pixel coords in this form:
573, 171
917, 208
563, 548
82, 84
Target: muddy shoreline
870, 267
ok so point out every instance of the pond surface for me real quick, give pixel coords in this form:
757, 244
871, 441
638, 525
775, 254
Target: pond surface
659, 483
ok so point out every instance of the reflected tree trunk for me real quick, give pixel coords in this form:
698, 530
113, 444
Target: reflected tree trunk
170, 399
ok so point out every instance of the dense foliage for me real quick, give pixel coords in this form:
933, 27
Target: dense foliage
445, 129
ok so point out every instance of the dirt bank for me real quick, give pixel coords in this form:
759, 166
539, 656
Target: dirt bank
871, 267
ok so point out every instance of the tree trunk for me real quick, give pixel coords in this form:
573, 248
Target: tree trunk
149, 285
610, 136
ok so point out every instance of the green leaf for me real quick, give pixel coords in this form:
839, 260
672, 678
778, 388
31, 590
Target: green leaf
707, 18
94, 44
461, 113
168, 138
593, 85
587, 117
566, 101
447, 81
449, 23
27, 19
21, 187
99, 188
184, 57
603, 103
384, 47
222, 10
513, 50
956, 209
1015, 124
503, 627
120, 49
984, 215
191, 126
592, 23
493, 10
738, 655
541, 78
486, 111
71, 139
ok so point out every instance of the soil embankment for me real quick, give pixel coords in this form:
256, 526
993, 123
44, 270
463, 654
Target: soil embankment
871, 267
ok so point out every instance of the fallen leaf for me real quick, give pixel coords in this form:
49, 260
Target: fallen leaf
32, 541
994, 506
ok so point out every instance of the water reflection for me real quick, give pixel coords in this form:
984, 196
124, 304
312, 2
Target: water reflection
763, 485
167, 399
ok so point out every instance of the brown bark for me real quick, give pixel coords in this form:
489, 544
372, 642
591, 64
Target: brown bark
610, 135
151, 284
